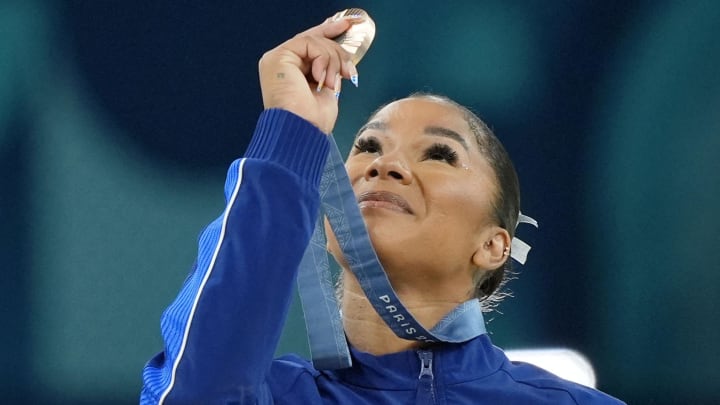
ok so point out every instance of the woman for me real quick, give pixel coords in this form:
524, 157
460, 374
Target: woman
440, 200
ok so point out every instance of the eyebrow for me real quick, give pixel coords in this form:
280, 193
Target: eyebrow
447, 133
371, 125
431, 130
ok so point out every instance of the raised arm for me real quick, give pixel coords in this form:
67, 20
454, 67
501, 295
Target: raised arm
222, 330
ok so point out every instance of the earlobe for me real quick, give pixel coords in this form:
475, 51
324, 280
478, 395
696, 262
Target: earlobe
494, 249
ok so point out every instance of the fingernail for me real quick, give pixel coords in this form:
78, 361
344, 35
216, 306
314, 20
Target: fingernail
321, 82
353, 74
338, 83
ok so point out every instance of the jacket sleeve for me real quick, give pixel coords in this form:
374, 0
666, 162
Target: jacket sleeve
222, 330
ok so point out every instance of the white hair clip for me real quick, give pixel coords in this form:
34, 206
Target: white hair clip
520, 249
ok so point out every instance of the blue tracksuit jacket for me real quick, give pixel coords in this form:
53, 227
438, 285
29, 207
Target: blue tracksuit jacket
221, 331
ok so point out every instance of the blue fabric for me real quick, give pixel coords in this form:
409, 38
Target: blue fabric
465, 373
223, 328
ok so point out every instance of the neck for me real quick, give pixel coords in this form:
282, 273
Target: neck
365, 329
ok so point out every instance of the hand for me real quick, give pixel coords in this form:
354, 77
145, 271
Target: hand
303, 75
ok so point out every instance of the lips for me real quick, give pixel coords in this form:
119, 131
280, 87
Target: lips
384, 199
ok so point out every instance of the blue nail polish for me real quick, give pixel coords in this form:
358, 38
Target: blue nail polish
337, 94
354, 80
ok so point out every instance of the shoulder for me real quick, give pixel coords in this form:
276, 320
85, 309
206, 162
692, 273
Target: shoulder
545, 383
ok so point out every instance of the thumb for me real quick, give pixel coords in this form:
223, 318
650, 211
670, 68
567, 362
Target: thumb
333, 26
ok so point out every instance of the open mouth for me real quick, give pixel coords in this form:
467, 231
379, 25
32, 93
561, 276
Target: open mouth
384, 199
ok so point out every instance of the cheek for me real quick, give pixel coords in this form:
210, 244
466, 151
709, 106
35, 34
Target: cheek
460, 205
355, 167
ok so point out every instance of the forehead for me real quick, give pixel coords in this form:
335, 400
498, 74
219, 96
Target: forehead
415, 114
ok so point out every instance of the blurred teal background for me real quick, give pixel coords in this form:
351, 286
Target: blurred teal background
118, 120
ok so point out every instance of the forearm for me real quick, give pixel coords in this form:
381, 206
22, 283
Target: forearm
223, 328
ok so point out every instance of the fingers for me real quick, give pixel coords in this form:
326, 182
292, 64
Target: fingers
333, 26
311, 57
321, 58
330, 94
328, 63
304, 74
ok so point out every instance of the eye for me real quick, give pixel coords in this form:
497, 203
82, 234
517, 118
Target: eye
442, 152
367, 145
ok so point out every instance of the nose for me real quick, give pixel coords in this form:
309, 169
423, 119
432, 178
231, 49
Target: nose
388, 167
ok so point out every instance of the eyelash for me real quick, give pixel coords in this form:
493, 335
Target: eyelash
438, 151
367, 145
443, 152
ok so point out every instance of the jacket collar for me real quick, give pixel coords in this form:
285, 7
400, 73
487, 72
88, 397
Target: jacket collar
452, 363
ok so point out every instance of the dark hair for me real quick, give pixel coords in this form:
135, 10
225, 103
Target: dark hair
488, 287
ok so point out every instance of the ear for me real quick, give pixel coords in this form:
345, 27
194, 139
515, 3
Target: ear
493, 248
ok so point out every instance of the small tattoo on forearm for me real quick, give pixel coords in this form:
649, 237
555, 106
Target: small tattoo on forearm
281, 75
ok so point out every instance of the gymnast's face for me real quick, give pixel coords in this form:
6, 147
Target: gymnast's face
424, 189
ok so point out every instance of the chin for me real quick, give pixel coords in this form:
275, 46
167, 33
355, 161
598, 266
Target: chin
384, 235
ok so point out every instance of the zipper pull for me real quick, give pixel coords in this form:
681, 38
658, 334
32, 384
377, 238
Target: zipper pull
426, 358
425, 391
